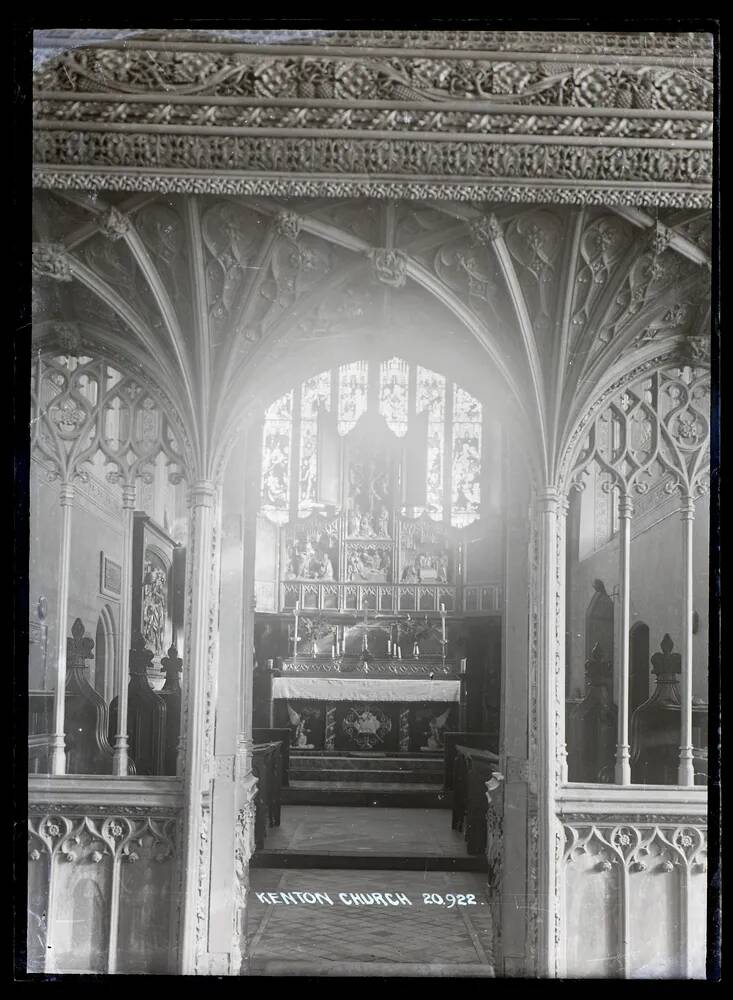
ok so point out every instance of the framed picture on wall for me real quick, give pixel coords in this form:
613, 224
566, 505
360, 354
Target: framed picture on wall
110, 576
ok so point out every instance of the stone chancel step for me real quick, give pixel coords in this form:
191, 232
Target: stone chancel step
374, 768
314, 774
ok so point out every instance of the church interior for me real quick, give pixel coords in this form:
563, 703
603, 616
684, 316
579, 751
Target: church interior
369, 617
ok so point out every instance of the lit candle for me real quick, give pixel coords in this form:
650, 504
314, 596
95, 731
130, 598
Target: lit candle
389, 647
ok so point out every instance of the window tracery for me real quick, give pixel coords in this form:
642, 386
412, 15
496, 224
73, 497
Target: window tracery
453, 444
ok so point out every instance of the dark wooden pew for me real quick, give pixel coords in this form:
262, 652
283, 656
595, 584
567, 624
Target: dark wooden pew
266, 767
472, 768
271, 736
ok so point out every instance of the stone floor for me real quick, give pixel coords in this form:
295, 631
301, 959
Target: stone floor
417, 938
354, 830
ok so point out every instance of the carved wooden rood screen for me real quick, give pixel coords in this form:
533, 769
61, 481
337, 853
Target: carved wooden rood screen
91, 421
211, 208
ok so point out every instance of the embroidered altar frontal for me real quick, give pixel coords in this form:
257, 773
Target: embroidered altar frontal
387, 726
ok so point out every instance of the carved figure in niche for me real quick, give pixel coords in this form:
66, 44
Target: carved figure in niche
154, 602
410, 574
367, 564
309, 561
434, 732
299, 734
383, 522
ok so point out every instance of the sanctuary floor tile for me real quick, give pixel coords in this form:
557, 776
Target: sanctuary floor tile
434, 918
354, 829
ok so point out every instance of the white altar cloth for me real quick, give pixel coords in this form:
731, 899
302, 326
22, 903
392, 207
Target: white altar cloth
364, 689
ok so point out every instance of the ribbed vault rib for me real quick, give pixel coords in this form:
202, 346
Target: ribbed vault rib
685, 246
534, 363
115, 302
201, 379
560, 354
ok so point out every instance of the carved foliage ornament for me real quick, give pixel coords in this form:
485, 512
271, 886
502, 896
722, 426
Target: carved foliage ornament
49, 260
450, 189
390, 266
662, 847
218, 72
407, 157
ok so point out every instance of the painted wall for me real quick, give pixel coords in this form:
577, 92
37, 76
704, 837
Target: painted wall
656, 587
96, 526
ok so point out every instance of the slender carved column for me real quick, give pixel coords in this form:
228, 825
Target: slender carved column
623, 765
550, 751
58, 742
201, 503
686, 774
121, 748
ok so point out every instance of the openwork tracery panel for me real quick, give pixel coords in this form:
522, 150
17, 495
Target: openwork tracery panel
655, 429
83, 408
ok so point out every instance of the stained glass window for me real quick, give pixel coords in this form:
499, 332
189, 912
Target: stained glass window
352, 394
466, 462
290, 439
393, 388
431, 397
316, 393
276, 446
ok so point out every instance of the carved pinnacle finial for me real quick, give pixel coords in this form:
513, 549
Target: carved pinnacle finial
666, 662
79, 647
173, 666
49, 260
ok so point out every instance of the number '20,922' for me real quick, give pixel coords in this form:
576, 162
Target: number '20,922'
449, 899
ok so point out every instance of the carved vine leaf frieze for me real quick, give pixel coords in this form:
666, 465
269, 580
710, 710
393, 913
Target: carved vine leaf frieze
217, 72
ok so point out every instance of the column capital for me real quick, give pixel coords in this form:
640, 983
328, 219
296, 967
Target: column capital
202, 493
687, 508
550, 498
129, 496
66, 494
625, 506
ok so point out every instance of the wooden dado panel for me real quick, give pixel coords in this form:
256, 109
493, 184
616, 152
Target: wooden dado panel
635, 888
102, 876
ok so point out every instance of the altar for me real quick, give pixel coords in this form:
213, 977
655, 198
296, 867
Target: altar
391, 706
